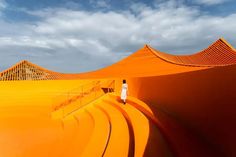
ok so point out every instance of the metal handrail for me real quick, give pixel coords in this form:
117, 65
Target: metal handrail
82, 95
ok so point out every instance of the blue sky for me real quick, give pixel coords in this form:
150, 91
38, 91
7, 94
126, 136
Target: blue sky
82, 35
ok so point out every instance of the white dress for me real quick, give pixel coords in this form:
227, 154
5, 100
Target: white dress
124, 91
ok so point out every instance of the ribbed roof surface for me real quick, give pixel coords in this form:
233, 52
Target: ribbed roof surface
218, 54
25, 70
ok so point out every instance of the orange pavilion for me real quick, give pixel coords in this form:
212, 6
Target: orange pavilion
182, 106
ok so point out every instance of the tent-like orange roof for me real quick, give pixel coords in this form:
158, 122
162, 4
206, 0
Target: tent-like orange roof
145, 62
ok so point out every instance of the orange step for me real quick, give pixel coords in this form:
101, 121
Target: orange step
119, 137
100, 136
140, 125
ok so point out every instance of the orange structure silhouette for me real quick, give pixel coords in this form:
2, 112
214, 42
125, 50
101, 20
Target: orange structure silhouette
25, 70
177, 106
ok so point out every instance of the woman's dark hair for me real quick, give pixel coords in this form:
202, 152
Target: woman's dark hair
124, 81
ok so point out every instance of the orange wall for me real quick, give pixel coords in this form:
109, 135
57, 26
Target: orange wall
203, 100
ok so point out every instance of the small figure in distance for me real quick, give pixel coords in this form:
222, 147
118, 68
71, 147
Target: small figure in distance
124, 91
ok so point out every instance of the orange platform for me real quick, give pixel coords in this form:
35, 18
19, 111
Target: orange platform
177, 106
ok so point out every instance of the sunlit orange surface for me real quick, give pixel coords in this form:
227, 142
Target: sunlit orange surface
182, 106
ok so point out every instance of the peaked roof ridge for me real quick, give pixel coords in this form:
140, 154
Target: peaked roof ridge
219, 53
227, 43
37, 66
28, 63
25, 70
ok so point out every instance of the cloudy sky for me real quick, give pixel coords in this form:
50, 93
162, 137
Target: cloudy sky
82, 35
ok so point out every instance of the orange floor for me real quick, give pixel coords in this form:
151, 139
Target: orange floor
177, 106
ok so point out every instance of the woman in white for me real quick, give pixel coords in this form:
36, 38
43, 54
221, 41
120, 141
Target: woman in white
124, 91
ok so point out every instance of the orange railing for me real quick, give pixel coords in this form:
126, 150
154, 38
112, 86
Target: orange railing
76, 98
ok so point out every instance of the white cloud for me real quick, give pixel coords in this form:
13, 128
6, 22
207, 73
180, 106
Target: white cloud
72, 41
210, 2
2, 4
100, 3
